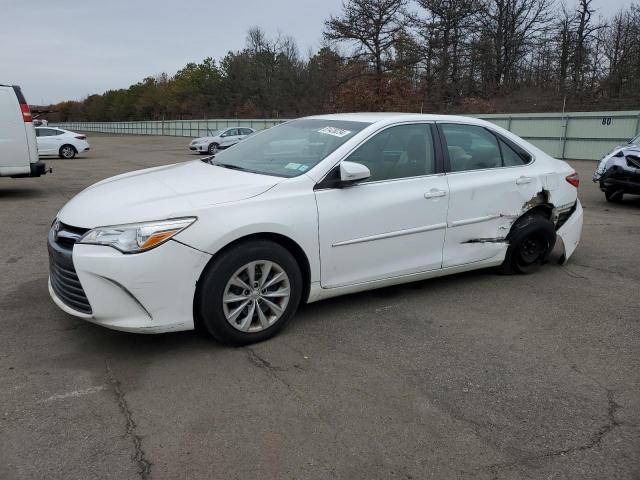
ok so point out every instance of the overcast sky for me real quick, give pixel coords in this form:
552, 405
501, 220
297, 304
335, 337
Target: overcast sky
67, 49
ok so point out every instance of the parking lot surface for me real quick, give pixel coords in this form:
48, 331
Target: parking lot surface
472, 376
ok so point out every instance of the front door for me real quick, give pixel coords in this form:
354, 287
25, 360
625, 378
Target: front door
392, 224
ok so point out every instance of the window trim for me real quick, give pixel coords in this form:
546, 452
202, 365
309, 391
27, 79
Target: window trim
325, 182
498, 136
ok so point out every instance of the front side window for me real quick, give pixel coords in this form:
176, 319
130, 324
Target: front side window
398, 152
289, 149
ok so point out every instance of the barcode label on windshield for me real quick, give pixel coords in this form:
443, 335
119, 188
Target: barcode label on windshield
336, 132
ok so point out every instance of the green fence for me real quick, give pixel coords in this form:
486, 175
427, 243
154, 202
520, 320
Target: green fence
574, 135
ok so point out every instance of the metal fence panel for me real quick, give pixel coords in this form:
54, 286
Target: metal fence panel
573, 135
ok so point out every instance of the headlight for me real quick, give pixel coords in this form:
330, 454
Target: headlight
136, 237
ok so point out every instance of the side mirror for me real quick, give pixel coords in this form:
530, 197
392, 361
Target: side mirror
351, 172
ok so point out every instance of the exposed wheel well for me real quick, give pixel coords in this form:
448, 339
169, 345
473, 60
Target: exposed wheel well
545, 209
282, 240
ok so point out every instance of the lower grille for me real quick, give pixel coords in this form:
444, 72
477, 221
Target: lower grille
62, 274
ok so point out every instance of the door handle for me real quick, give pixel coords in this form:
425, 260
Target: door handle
524, 180
433, 193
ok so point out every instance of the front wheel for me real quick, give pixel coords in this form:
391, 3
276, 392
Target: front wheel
531, 240
67, 152
614, 196
250, 293
213, 148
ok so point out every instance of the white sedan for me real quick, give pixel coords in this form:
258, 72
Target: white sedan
57, 141
310, 209
219, 140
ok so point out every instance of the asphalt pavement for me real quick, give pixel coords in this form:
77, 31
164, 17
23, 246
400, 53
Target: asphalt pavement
472, 376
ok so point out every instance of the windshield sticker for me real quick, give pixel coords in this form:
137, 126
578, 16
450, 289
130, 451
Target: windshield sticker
336, 132
292, 166
303, 168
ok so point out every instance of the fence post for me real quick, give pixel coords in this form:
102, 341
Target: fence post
564, 136
509, 124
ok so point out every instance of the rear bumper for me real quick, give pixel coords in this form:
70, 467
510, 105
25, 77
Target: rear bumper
37, 169
571, 231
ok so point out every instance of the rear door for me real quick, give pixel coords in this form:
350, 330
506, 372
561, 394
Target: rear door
490, 181
14, 150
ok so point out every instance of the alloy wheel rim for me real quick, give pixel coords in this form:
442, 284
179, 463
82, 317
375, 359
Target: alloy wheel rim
256, 296
66, 152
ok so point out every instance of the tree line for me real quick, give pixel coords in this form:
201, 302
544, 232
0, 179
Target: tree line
441, 56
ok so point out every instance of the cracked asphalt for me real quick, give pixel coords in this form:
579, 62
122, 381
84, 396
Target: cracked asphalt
473, 376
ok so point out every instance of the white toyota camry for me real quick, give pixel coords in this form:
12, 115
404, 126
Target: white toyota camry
310, 209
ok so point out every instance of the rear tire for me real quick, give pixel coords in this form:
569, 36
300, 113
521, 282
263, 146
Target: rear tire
531, 240
67, 152
239, 315
614, 196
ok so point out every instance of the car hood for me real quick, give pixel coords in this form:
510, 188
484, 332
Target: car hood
161, 193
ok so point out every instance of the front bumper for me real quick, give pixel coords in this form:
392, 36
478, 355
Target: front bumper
150, 292
619, 178
569, 233
199, 147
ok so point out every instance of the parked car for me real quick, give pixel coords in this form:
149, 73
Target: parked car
310, 209
619, 171
18, 151
61, 142
219, 139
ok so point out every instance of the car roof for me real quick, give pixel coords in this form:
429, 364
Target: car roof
392, 117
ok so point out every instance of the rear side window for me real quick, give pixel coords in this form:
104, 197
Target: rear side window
471, 147
510, 157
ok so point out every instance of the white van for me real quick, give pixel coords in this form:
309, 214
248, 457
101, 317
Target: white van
18, 149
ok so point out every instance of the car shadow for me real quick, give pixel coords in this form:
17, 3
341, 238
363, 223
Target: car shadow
21, 192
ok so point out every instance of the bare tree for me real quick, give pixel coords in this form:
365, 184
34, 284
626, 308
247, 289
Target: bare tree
373, 25
514, 27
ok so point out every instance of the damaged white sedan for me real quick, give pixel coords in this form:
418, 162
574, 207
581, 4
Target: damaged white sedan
310, 209
618, 172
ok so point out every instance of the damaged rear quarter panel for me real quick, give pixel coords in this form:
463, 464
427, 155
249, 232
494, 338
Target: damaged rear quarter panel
483, 206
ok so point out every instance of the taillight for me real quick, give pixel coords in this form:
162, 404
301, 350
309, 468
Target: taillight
573, 179
26, 113
81, 137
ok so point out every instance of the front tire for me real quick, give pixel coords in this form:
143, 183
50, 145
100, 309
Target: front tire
249, 293
67, 152
531, 240
614, 196
213, 148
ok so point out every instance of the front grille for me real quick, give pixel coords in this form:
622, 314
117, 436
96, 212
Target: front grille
62, 274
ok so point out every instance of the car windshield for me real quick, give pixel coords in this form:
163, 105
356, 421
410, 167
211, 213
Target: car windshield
214, 133
290, 149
